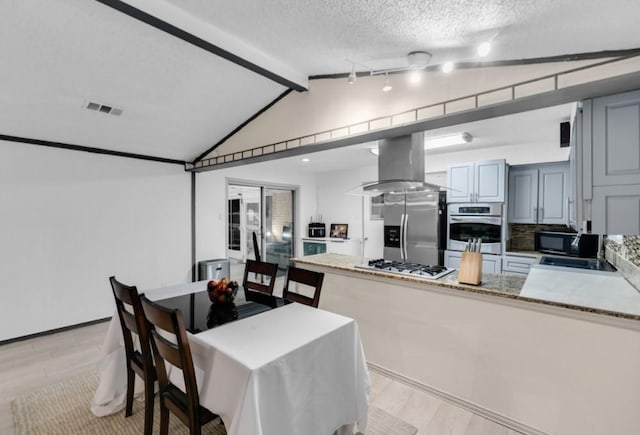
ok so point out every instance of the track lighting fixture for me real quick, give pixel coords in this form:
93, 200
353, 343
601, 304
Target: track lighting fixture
387, 85
417, 61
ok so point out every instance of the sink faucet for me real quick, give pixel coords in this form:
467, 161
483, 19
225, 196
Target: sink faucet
576, 239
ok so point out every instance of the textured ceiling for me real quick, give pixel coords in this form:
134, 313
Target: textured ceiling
179, 100
317, 36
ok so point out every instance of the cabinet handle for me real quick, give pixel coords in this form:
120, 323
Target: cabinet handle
541, 215
535, 215
567, 219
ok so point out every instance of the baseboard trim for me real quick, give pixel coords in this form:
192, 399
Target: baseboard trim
54, 331
462, 403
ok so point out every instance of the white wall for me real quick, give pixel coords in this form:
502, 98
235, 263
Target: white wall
333, 103
211, 205
70, 219
337, 206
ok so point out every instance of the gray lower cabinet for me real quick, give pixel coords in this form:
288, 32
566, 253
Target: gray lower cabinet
616, 209
490, 263
517, 264
539, 194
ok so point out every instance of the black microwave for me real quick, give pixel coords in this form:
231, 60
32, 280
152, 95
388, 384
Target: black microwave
551, 242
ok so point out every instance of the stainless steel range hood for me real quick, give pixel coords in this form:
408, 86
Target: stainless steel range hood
401, 165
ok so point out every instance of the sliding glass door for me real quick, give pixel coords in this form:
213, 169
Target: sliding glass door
269, 213
278, 224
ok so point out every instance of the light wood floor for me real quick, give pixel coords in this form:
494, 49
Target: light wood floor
36, 363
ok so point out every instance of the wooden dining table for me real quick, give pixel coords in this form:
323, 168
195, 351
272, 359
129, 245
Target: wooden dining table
278, 369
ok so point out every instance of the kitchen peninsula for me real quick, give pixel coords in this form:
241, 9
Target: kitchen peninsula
536, 366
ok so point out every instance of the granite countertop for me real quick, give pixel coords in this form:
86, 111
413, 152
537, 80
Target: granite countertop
503, 286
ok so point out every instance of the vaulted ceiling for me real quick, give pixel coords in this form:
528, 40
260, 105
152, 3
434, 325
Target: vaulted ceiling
185, 73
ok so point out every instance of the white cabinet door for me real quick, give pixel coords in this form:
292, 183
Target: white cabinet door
452, 259
553, 194
523, 195
616, 209
489, 181
460, 183
616, 139
345, 247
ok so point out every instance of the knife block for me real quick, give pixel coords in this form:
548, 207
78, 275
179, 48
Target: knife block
470, 268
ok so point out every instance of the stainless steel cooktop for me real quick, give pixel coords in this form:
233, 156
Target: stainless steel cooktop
410, 269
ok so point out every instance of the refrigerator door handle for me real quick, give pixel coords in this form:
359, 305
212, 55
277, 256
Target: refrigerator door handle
404, 237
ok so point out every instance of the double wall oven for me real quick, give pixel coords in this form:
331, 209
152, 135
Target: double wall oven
475, 221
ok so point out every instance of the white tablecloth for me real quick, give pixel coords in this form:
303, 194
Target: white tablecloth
293, 370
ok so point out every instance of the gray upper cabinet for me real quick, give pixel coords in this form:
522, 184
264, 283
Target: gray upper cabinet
611, 163
476, 182
539, 194
616, 140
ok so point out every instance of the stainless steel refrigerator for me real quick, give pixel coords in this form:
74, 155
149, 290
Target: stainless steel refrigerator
415, 227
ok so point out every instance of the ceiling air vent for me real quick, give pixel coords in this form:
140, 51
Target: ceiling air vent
103, 108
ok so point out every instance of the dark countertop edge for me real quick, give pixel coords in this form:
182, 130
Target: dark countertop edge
471, 289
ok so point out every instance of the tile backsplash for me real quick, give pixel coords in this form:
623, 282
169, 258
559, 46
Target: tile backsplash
522, 235
624, 253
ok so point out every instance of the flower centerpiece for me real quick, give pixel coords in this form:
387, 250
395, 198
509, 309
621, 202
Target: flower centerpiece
222, 291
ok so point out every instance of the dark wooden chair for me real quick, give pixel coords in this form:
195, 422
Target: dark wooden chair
184, 404
307, 278
254, 272
140, 362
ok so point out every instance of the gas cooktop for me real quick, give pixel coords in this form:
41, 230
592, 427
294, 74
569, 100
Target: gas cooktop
410, 269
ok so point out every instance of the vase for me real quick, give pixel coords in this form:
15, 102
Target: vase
221, 313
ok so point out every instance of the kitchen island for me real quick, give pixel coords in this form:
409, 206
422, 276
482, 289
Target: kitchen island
535, 366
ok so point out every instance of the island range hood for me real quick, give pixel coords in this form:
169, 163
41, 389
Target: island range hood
401, 165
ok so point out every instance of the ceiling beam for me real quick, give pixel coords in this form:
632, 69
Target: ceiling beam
87, 149
299, 83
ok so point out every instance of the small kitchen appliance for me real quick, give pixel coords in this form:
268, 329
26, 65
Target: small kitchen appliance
317, 229
569, 244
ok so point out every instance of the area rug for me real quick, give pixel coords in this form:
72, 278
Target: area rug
63, 409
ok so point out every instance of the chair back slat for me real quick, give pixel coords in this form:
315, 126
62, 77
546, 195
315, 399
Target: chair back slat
177, 354
269, 270
308, 278
130, 321
135, 322
168, 351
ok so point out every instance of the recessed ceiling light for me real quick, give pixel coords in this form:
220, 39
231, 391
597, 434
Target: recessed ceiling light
484, 49
415, 76
387, 85
374, 151
306, 160
447, 67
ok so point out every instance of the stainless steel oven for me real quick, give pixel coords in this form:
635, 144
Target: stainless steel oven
475, 221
